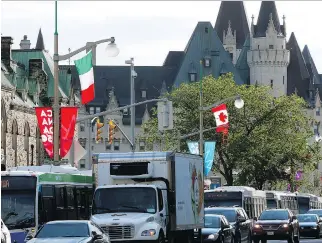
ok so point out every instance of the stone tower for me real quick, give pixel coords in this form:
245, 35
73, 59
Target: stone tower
268, 57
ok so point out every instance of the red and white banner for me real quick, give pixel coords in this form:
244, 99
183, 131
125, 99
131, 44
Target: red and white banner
68, 117
45, 124
221, 116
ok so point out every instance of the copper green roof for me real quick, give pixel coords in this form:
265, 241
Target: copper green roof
23, 57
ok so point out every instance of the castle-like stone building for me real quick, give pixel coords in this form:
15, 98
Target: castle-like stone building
26, 82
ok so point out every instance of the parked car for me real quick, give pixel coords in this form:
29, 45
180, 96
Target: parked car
71, 231
238, 219
217, 230
316, 211
310, 225
276, 224
5, 234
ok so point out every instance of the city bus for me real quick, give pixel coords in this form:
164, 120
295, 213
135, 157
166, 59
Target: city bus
278, 199
252, 200
34, 195
308, 201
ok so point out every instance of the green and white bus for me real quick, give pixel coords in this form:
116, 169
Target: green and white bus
34, 195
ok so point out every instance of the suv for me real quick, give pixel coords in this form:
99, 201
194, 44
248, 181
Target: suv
276, 224
238, 219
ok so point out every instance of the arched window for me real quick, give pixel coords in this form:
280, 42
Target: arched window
26, 140
3, 131
14, 136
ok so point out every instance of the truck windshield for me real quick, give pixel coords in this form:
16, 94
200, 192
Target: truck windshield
125, 199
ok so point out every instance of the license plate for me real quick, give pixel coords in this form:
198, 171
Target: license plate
270, 233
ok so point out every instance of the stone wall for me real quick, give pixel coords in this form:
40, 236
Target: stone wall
26, 124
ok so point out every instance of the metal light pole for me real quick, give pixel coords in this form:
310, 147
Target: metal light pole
201, 112
112, 51
133, 75
56, 94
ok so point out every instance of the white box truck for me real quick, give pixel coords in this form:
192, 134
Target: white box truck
148, 196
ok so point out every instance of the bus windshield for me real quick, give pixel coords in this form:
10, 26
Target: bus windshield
223, 199
304, 204
272, 203
125, 199
18, 201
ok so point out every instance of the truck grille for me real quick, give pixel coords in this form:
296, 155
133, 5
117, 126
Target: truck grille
119, 232
270, 227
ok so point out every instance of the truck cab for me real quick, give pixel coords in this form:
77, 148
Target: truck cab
138, 196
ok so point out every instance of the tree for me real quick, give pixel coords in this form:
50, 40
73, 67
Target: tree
265, 137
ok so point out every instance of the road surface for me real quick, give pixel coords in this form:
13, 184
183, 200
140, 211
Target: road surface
302, 240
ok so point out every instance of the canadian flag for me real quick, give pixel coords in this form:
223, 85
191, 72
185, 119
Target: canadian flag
221, 116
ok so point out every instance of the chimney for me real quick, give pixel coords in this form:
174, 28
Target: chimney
25, 43
6, 42
93, 51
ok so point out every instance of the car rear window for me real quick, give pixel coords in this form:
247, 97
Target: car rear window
231, 215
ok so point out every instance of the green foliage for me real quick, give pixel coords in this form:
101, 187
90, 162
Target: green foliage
267, 136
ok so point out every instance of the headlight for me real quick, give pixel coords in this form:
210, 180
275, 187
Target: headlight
150, 219
314, 227
150, 232
257, 226
213, 237
285, 225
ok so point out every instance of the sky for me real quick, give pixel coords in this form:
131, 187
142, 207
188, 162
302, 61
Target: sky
145, 30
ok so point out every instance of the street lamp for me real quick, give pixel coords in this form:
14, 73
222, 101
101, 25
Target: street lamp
239, 103
112, 51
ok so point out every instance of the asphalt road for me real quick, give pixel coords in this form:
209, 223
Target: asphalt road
302, 240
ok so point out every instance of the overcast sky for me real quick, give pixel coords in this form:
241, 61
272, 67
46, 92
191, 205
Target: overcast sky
145, 30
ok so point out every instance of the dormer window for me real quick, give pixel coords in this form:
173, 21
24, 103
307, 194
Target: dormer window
206, 30
271, 47
125, 111
91, 110
143, 93
207, 62
193, 77
98, 109
317, 111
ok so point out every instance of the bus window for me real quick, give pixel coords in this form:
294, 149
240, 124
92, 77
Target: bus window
47, 191
70, 202
60, 203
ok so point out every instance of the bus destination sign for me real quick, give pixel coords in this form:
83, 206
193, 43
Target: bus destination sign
18, 182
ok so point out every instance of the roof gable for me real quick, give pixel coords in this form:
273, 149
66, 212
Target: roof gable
267, 9
297, 74
233, 11
173, 58
204, 42
310, 65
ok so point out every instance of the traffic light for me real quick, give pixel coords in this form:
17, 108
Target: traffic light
98, 136
111, 127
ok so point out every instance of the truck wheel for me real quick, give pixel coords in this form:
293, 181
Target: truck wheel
161, 238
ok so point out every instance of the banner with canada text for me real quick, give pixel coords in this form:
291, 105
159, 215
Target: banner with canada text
45, 124
68, 116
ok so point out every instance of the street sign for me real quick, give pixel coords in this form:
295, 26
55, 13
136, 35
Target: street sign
165, 115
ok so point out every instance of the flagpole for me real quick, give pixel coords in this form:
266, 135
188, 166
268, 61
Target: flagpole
56, 92
201, 112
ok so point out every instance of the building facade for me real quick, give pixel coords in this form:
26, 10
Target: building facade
27, 82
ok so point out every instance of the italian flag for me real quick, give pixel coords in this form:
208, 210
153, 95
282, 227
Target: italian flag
85, 71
